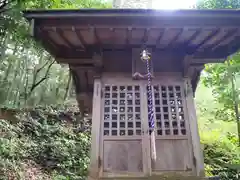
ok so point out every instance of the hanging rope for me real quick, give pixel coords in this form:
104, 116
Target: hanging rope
146, 57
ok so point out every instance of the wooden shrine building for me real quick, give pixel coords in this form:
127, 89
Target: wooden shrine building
103, 47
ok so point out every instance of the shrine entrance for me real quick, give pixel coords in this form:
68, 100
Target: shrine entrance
125, 128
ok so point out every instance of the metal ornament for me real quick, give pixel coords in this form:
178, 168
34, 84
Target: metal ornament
145, 55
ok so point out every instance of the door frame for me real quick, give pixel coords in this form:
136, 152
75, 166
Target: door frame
159, 79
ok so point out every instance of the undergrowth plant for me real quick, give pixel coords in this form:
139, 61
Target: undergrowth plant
46, 144
221, 155
45, 147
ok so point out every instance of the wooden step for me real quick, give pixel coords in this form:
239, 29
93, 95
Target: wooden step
160, 177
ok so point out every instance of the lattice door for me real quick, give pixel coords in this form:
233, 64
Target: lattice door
169, 110
172, 140
122, 114
122, 128
125, 126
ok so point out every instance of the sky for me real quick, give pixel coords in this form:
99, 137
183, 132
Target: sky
173, 4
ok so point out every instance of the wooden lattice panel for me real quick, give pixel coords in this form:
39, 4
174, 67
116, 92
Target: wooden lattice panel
169, 110
122, 110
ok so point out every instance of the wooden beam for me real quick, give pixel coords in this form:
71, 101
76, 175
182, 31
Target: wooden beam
111, 34
128, 35
97, 39
160, 36
220, 53
97, 59
82, 66
229, 35
195, 69
208, 38
80, 37
87, 80
70, 53
175, 38
198, 67
98, 63
61, 34
46, 41
196, 79
46, 37
149, 21
79, 61
186, 43
66, 52
207, 60
145, 36
76, 80
186, 64
83, 80
85, 102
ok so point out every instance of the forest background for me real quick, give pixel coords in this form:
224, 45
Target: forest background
40, 144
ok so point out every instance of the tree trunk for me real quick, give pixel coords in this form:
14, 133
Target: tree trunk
235, 100
68, 86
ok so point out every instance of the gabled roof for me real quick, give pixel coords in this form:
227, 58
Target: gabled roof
206, 35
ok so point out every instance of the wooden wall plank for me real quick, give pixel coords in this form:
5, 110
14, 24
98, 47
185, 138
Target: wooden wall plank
172, 155
95, 161
197, 150
122, 156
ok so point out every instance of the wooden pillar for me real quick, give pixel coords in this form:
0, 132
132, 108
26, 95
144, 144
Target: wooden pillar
198, 161
95, 161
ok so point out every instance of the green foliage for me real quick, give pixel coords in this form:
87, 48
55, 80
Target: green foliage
45, 142
77, 4
218, 4
222, 155
219, 137
42, 147
37, 81
218, 76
